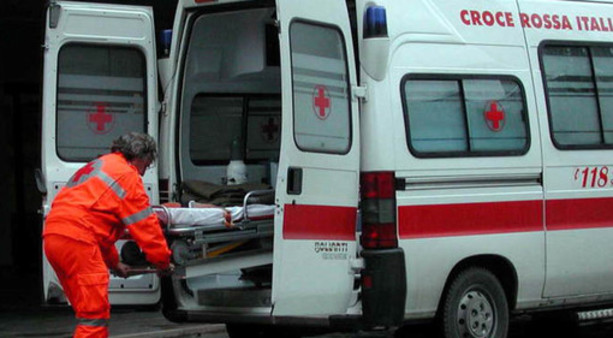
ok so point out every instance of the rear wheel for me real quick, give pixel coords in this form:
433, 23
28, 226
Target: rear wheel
475, 306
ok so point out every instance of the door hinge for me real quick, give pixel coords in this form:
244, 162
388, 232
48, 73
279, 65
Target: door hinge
360, 92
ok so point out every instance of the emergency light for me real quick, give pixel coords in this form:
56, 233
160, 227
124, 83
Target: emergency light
374, 52
375, 22
165, 40
164, 65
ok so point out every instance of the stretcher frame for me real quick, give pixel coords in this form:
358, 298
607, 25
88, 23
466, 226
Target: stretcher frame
199, 237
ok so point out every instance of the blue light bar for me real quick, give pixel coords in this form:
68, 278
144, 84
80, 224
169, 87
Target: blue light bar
165, 40
375, 22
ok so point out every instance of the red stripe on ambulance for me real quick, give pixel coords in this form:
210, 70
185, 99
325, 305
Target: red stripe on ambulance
319, 222
581, 213
440, 220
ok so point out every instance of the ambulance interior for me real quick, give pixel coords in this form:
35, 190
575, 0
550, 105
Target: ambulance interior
229, 109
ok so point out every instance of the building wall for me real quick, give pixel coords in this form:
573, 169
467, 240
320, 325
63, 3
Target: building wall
20, 74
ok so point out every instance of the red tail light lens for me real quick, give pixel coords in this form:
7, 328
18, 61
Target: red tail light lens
378, 185
378, 209
379, 236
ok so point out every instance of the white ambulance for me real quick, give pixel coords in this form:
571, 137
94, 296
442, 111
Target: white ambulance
430, 159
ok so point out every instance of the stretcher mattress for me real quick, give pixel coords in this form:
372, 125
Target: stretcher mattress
174, 218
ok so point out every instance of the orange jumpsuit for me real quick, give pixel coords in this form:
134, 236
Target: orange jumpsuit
87, 217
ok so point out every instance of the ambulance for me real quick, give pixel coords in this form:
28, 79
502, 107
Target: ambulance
425, 160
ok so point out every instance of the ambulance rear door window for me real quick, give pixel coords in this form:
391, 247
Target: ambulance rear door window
320, 83
448, 116
101, 95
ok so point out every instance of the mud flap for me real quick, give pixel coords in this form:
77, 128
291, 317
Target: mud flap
383, 288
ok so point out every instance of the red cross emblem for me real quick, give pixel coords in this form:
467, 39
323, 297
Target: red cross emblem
321, 102
494, 116
85, 171
82, 174
100, 122
270, 130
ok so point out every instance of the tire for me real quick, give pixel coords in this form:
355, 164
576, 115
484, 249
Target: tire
475, 306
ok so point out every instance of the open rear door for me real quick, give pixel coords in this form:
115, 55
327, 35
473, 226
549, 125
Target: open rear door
99, 83
317, 185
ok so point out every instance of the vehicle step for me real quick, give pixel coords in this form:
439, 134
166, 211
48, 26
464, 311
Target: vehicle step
595, 314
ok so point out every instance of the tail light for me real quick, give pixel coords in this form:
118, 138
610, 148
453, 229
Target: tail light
378, 208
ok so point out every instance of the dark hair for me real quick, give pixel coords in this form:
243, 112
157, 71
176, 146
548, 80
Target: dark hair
135, 145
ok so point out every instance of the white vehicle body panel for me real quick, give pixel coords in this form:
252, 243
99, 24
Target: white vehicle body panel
306, 281
577, 241
442, 45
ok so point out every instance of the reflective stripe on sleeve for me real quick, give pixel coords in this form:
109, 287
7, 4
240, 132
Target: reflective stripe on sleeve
139, 216
101, 322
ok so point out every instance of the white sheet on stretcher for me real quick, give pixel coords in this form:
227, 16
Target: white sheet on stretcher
186, 217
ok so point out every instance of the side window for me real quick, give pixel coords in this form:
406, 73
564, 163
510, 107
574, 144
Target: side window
216, 120
101, 95
579, 83
320, 85
603, 68
263, 128
214, 123
457, 116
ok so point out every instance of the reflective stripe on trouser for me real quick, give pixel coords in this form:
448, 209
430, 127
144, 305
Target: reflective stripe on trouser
91, 328
84, 277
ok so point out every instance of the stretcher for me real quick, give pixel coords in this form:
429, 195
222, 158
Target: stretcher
202, 232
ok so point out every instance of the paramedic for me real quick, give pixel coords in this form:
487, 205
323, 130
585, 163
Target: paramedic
89, 214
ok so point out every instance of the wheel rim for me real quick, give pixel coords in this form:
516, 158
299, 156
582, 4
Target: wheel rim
476, 315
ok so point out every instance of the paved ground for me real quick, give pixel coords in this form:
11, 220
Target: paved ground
131, 323
22, 315
125, 323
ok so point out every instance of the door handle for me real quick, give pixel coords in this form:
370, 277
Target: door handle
294, 181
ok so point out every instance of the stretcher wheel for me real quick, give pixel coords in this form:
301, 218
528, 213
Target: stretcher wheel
180, 252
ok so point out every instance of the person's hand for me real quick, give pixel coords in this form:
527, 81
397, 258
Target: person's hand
122, 270
227, 217
168, 271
